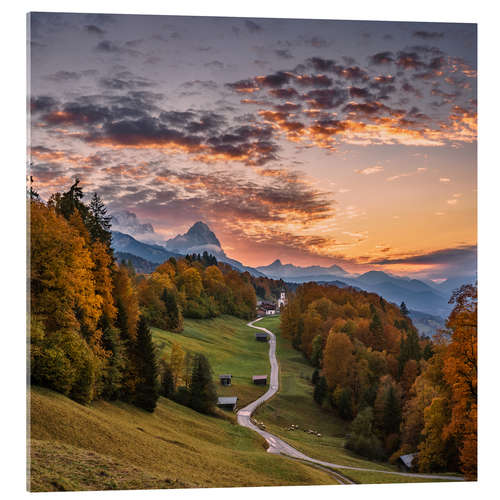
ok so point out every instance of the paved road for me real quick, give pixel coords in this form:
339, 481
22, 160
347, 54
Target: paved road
278, 446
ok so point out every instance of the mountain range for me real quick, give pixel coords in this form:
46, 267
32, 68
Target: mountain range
422, 298
200, 238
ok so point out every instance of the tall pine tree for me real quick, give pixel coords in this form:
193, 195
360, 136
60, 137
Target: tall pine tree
147, 390
99, 222
202, 388
377, 333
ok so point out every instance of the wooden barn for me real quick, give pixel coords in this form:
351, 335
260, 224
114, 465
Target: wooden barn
227, 403
259, 379
261, 336
405, 462
225, 379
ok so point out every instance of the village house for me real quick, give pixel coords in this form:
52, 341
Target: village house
405, 462
259, 379
261, 337
227, 403
225, 379
266, 309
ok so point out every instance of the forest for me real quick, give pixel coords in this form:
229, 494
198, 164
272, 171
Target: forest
402, 393
90, 315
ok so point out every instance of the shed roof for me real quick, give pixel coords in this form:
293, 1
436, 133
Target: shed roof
227, 401
408, 459
259, 377
261, 334
225, 376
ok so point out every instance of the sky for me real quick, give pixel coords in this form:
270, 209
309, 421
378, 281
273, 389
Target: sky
315, 142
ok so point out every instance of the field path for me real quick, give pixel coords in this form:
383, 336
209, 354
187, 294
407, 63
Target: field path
278, 446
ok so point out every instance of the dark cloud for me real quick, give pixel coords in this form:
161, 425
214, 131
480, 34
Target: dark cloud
284, 53
386, 57
428, 35
42, 104
326, 98
109, 47
313, 80
243, 86
94, 30
252, 27
287, 93
324, 65
409, 60
353, 73
204, 84
365, 109
126, 122
274, 80
64, 76
121, 84
449, 256
358, 92
317, 42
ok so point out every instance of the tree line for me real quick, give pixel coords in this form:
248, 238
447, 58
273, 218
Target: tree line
90, 315
401, 393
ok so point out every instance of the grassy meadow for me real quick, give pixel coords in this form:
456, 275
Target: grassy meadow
118, 446
230, 347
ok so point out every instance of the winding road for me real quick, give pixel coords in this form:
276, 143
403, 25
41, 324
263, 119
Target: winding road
278, 446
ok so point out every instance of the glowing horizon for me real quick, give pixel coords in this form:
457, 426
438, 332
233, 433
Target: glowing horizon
315, 142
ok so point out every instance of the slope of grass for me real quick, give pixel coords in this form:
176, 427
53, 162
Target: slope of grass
294, 404
230, 347
117, 446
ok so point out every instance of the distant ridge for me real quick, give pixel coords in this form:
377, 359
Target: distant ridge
286, 271
125, 243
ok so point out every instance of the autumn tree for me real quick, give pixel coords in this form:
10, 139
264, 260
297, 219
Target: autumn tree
338, 359
434, 449
177, 356
361, 438
460, 372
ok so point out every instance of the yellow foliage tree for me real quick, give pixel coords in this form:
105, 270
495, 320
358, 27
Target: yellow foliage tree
338, 359
177, 357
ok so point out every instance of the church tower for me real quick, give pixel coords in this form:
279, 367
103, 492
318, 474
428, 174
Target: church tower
282, 300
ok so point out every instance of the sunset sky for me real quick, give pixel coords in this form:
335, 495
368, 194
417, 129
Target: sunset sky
315, 142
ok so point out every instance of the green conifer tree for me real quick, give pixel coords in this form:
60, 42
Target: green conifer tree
147, 390
202, 388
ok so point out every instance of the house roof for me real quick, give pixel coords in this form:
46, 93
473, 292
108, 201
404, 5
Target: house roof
227, 401
408, 459
259, 377
267, 307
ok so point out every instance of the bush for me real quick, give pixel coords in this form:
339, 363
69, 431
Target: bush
182, 396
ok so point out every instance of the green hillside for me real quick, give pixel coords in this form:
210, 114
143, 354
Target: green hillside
118, 446
230, 347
